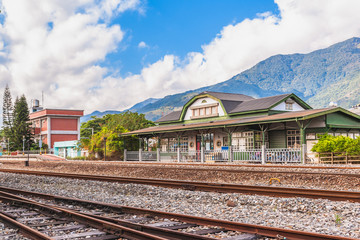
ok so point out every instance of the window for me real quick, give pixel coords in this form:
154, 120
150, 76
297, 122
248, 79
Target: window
311, 136
259, 141
206, 110
293, 138
171, 144
164, 142
184, 144
288, 106
225, 141
209, 141
214, 110
243, 140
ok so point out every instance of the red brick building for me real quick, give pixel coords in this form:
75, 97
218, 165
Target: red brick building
55, 125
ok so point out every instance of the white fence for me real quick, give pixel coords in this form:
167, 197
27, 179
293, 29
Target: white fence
283, 155
132, 156
271, 155
216, 155
190, 156
251, 155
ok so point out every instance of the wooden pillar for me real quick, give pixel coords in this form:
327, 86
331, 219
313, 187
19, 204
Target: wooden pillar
303, 144
140, 143
202, 145
231, 158
178, 148
158, 149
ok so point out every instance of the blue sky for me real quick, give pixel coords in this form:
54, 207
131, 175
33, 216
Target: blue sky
111, 54
176, 27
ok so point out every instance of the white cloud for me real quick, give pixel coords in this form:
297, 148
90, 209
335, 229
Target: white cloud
62, 61
142, 44
301, 27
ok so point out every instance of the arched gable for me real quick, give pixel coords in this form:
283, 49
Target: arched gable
202, 106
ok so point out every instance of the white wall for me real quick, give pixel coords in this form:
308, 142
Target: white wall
198, 103
281, 107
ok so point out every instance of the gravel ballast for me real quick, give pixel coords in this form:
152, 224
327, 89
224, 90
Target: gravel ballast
313, 215
207, 174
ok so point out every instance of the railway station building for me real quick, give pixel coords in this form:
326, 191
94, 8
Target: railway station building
55, 125
215, 126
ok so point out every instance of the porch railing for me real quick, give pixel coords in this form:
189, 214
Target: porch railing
168, 156
271, 155
251, 155
190, 156
283, 155
216, 155
132, 156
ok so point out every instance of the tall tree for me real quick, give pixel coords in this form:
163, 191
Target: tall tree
7, 113
21, 130
111, 126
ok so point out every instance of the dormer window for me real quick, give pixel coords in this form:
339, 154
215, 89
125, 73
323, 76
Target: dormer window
203, 111
289, 104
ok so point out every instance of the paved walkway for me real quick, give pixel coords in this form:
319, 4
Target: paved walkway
50, 157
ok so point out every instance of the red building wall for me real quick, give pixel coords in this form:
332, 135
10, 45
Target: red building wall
62, 137
63, 124
43, 124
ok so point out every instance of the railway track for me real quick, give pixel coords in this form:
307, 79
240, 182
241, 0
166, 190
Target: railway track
196, 169
43, 222
214, 187
156, 224
207, 164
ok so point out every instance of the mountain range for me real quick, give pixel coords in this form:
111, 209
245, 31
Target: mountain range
326, 75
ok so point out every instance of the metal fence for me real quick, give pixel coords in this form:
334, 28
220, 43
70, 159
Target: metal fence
132, 156
148, 156
251, 155
168, 156
283, 155
190, 156
216, 156
271, 155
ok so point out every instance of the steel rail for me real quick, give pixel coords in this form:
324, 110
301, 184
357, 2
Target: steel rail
94, 222
228, 165
161, 232
229, 225
23, 229
203, 164
210, 186
244, 171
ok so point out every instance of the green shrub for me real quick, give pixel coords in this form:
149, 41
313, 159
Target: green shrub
328, 143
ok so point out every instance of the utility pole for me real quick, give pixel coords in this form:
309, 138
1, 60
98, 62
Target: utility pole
23, 144
28, 157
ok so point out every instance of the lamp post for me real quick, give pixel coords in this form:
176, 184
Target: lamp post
8, 147
23, 144
105, 148
28, 157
